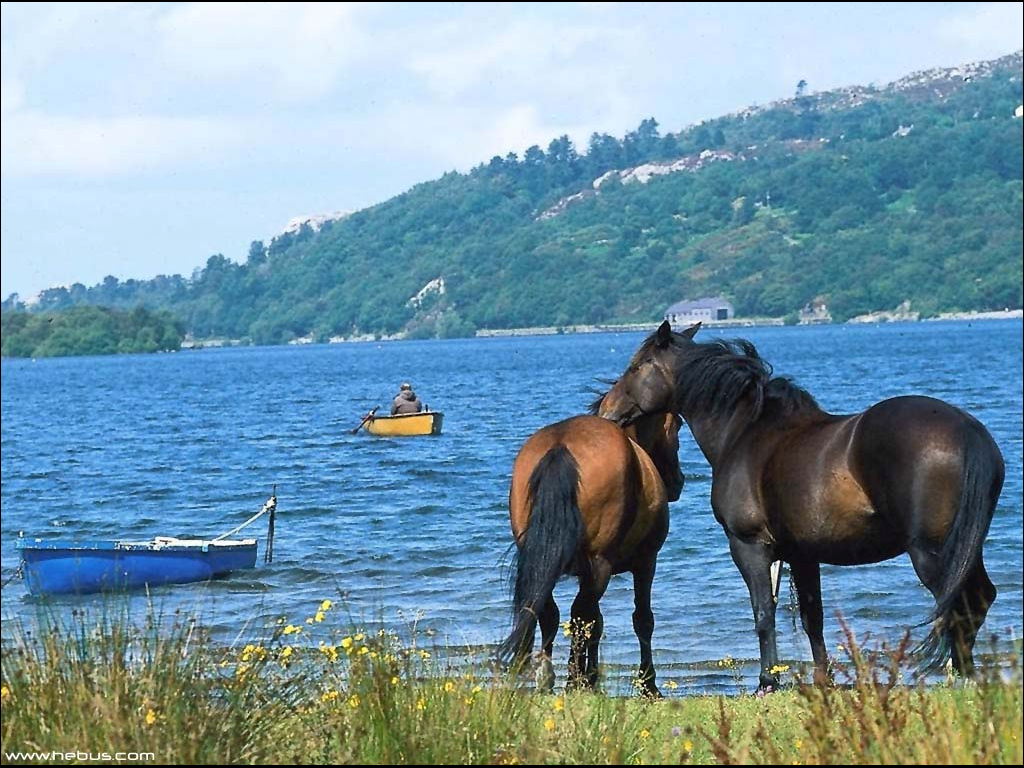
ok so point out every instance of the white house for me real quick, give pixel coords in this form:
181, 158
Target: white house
701, 310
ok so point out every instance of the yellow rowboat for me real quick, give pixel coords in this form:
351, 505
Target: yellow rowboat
428, 423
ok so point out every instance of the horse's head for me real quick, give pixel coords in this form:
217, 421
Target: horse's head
649, 384
656, 433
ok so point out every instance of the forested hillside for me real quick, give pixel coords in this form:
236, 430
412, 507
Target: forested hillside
861, 198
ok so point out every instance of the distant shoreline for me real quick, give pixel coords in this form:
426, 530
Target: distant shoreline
560, 330
748, 322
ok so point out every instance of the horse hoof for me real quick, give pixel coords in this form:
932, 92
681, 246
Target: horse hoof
545, 676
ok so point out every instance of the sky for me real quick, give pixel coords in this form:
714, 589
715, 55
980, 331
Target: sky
139, 139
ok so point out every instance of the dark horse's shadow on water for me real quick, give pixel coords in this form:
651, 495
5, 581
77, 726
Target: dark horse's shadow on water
792, 482
589, 499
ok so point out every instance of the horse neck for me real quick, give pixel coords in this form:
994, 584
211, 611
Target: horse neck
717, 434
649, 433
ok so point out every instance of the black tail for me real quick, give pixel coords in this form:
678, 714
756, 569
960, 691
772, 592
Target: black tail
981, 482
550, 545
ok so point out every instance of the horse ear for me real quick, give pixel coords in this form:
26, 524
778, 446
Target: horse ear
664, 334
690, 332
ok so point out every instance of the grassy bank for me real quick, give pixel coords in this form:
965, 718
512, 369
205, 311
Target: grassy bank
310, 691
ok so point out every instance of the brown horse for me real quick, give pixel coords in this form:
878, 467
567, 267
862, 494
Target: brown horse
589, 499
792, 482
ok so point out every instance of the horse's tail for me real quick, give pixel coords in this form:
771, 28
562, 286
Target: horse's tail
549, 545
982, 475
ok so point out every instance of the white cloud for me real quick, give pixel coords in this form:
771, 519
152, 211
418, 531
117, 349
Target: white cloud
990, 30
34, 144
532, 54
297, 50
12, 95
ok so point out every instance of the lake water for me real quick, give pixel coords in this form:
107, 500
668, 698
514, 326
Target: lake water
191, 443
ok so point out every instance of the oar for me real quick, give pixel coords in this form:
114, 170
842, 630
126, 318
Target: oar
366, 418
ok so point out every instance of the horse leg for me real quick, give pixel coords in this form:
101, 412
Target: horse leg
977, 597
548, 620
953, 635
588, 624
807, 577
754, 561
643, 625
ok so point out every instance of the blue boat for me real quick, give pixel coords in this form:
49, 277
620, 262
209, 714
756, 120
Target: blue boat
81, 567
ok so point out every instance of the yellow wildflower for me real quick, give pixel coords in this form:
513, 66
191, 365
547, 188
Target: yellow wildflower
424, 655
549, 724
326, 605
346, 643
5, 693
287, 651
360, 637
688, 745
779, 669
449, 687
394, 680
798, 743
421, 704
644, 734
319, 616
150, 717
328, 696
353, 700
672, 684
477, 689
291, 629
559, 704
330, 651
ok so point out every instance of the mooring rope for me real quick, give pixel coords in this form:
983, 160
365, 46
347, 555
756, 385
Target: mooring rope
270, 506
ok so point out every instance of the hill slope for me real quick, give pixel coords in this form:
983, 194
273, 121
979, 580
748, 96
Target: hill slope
861, 197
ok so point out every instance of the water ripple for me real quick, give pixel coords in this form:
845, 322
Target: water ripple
138, 446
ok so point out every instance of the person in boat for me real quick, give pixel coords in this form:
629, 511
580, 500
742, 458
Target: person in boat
406, 401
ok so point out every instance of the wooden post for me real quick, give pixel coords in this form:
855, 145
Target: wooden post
776, 579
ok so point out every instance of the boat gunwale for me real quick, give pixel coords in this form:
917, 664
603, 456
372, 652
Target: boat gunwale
114, 545
407, 415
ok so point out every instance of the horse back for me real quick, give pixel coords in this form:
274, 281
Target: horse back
910, 454
860, 488
614, 484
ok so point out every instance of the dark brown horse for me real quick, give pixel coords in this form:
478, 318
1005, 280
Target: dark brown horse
792, 482
590, 499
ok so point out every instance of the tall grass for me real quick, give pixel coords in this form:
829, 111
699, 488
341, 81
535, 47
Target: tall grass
316, 692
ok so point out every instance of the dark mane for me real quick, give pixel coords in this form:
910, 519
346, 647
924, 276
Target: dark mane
713, 376
595, 406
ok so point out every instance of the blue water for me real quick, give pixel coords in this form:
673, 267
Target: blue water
414, 529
